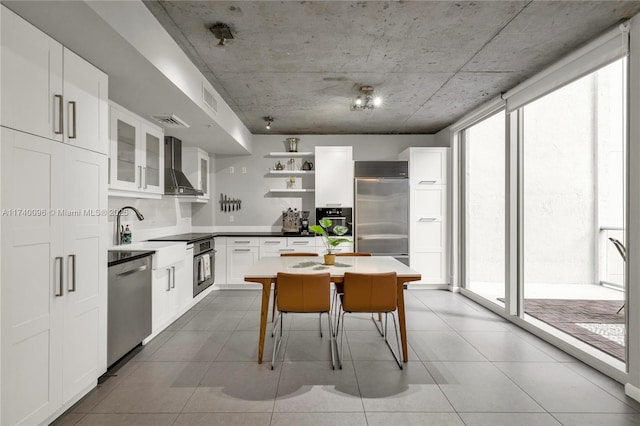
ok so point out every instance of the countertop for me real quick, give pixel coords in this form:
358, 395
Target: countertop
116, 257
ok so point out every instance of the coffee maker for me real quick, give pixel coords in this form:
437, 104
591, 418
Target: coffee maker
304, 223
295, 222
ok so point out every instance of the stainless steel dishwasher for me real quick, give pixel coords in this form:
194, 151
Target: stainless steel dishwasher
129, 309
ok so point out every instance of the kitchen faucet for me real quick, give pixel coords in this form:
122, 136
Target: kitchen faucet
118, 233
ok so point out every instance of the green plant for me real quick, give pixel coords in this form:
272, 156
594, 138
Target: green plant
323, 230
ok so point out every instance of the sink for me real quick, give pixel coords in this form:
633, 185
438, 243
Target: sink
166, 252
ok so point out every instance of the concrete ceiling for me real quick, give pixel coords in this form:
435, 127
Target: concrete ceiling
432, 61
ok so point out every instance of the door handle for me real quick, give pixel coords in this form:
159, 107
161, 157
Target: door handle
145, 177
60, 115
140, 172
173, 272
132, 271
427, 182
72, 257
427, 219
72, 130
169, 279
59, 262
242, 250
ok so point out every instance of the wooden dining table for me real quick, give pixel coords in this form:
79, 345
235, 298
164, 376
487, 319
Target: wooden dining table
265, 272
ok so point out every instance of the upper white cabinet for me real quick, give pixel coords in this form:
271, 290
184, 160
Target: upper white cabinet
428, 229
136, 155
49, 91
427, 166
54, 275
195, 164
334, 176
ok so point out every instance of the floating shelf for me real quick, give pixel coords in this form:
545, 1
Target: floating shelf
292, 190
290, 154
291, 172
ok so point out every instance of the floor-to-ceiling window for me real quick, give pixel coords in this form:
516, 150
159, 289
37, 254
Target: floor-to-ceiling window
484, 183
573, 174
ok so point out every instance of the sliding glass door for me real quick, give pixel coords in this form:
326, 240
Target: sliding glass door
484, 183
573, 162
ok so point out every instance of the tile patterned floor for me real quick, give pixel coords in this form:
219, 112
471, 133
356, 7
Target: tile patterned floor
467, 367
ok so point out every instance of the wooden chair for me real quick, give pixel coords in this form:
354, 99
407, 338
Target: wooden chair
338, 286
303, 293
275, 288
370, 293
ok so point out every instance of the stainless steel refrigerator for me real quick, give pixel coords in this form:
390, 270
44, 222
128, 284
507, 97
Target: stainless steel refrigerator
382, 208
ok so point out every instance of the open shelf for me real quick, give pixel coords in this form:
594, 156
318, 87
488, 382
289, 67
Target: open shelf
290, 154
292, 190
291, 172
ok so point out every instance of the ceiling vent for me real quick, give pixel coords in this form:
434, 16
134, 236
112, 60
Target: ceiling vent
170, 121
209, 99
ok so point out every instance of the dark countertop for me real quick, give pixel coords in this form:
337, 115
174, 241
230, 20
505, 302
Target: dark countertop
259, 234
116, 257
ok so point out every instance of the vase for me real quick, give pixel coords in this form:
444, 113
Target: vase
329, 259
293, 144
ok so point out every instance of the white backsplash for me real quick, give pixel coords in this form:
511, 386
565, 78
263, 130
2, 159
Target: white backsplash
167, 216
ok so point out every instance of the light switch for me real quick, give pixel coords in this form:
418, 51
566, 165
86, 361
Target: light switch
244, 170
232, 170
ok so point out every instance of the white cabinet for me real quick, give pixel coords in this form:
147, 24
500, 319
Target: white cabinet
168, 294
241, 254
276, 246
49, 91
195, 164
54, 275
428, 235
136, 154
221, 260
334, 176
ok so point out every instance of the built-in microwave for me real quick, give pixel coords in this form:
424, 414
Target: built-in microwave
342, 216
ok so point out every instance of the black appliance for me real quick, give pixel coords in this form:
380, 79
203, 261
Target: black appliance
203, 245
342, 216
175, 182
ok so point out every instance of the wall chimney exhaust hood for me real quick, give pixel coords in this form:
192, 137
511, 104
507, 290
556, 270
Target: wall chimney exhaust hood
175, 182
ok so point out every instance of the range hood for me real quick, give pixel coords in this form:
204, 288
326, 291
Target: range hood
175, 182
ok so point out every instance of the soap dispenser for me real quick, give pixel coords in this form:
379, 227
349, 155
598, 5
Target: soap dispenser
126, 235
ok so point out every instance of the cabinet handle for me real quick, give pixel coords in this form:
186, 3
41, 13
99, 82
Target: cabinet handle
334, 205
140, 181
273, 242
169, 279
109, 170
72, 131
242, 242
427, 219
306, 243
59, 261
242, 250
427, 182
173, 281
72, 257
282, 250
145, 177
60, 115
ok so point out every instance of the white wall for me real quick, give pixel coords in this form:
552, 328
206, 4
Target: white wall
259, 208
167, 216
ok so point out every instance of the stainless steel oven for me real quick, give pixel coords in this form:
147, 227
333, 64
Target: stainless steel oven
342, 216
203, 264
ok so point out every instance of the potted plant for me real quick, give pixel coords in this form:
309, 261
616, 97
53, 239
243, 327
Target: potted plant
330, 242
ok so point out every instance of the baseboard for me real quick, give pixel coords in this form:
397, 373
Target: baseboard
423, 286
632, 391
71, 402
243, 286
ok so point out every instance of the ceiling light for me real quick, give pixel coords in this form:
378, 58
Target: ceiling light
366, 100
222, 32
269, 120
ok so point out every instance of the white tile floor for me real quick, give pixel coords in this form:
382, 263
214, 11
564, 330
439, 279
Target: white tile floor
467, 367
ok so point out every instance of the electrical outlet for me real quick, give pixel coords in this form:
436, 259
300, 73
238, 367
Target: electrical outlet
244, 170
231, 218
232, 170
